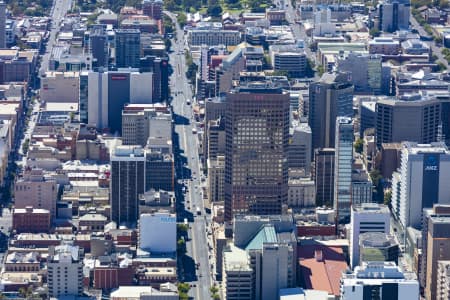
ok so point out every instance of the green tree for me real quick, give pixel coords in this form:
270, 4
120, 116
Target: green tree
215, 10
168, 44
26, 292
181, 228
320, 70
375, 32
214, 290
310, 65
359, 145
377, 180
181, 247
168, 24
183, 290
387, 198
191, 72
25, 146
441, 66
171, 5
280, 73
182, 19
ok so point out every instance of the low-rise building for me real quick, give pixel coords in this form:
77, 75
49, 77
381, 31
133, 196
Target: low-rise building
31, 220
212, 34
415, 47
165, 292
301, 192
92, 223
384, 45
36, 190
60, 87
378, 277
22, 262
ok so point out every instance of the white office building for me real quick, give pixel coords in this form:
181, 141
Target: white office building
343, 167
158, 232
110, 91
378, 280
367, 217
65, 271
423, 180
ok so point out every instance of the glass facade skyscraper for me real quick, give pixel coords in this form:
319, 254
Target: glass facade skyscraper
343, 167
128, 48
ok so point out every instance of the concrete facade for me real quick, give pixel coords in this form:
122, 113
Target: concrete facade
60, 87
37, 191
366, 218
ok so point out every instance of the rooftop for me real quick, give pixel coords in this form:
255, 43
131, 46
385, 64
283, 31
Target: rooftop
322, 267
371, 208
134, 292
236, 259
267, 234
415, 148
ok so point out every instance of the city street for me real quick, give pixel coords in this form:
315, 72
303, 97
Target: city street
58, 12
188, 170
435, 50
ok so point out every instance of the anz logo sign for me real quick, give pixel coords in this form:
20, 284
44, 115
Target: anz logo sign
431, 163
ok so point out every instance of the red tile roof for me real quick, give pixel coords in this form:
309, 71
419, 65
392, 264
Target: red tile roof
322, 274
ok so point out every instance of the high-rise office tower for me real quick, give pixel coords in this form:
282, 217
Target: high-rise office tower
84, 92
110, 91
127, 182
159, 67
128, 48
2, 25
414, 118
323, 175
257, 133
329, 98
366, 70
343, 168
98, 44
435, 246
423, 181
299, 151
394, 15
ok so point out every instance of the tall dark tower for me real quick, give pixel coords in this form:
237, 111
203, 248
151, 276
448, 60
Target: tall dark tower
257, 136
127, 182
128, 48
